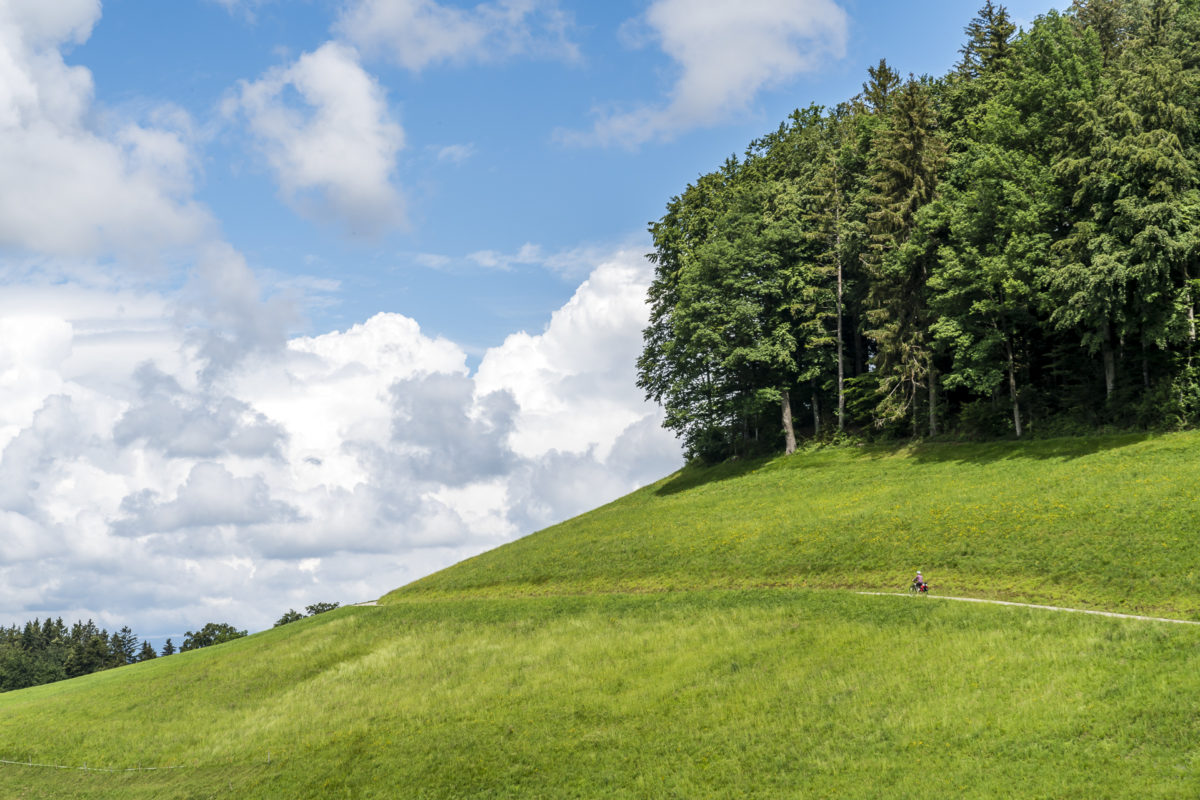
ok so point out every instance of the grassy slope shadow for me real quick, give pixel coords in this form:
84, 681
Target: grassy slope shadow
1062, 449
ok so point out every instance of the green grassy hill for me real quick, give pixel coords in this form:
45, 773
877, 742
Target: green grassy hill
699, 638
1101, 522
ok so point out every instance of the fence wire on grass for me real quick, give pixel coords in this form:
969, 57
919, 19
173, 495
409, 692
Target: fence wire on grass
86, 768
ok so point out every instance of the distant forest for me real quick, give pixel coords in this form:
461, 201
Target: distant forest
1008, 250
45, 651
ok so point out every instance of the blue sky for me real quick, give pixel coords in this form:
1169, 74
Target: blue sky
306, 299
508, 182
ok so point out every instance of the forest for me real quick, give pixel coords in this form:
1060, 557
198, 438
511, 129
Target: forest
45, 651
1008, 250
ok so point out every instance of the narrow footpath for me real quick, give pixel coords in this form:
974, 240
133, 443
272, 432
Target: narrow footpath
1043, 608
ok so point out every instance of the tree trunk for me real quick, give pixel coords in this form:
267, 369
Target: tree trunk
816, 416
860, 349
837, 256
1191, 313
915, 397
1012, 387
1110, 369
841, 412
789, 432
708, 398
1191, 307
933, 398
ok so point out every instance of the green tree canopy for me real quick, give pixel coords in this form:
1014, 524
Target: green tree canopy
212, 633
1010, 247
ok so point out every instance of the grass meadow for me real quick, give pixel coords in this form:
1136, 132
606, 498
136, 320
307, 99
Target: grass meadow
715, 693
1101, 522
700, 638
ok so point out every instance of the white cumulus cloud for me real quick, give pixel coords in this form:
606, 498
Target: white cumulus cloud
576, 381
418, 33
175, 456
333, 152
150, 489
724, 54
67, 187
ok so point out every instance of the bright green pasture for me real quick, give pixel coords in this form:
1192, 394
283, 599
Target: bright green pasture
740, 693
1101, 522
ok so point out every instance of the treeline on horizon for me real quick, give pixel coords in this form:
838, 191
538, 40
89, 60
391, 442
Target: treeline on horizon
1007, 250
45, 651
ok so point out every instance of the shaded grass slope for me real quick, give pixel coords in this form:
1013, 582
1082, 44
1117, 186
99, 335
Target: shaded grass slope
1100, 522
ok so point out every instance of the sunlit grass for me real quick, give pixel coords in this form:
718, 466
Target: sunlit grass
1101, 522
696, 639
764, 693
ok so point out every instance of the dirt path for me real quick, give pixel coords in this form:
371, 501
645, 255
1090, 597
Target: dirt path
1113, 614
1043, 608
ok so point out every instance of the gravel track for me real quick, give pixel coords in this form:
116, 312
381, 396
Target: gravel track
1043, 608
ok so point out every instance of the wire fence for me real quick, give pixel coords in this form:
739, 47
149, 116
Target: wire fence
269, 759
86, 768
272, 757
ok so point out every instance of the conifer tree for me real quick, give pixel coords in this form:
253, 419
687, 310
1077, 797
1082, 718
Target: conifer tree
908, 153
971, 234
122, 647
877, 91
1108, 20
1122, 273
88, 656
989, 38
979, 74
832, 224
1002, 209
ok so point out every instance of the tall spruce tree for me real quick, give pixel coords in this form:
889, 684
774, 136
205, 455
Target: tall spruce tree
907, 155
989, 41
1001, 212
799, 158
882, 82
122, 647
1107, 20
833, 226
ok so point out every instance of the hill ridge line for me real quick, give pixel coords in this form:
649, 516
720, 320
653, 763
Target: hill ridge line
1115, 614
